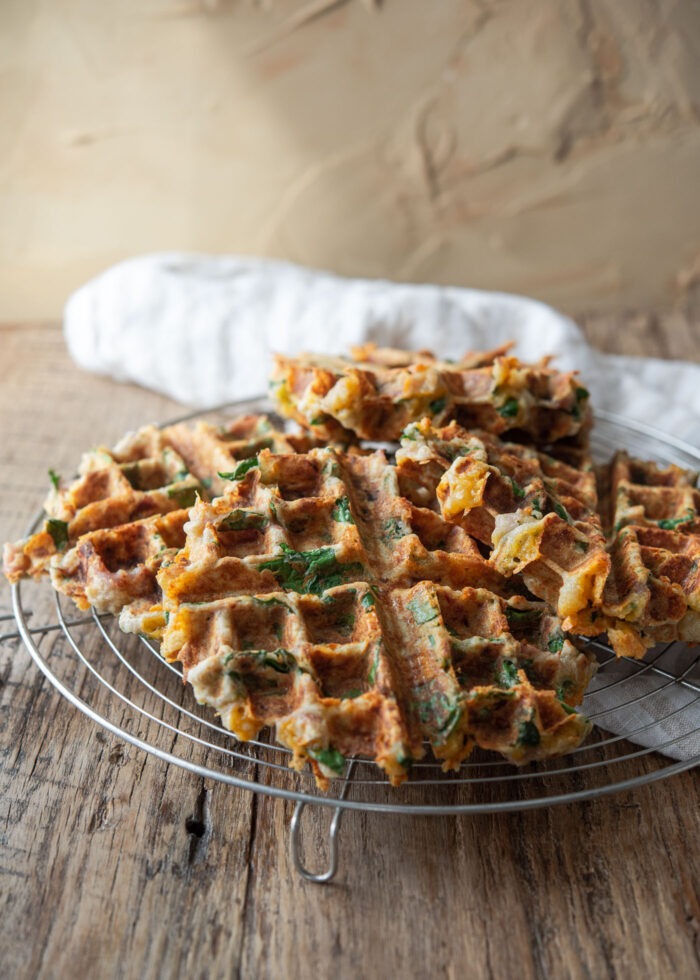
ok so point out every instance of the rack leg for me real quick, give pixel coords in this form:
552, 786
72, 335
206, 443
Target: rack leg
323, 877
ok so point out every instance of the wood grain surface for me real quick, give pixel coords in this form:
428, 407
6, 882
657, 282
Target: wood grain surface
115, 864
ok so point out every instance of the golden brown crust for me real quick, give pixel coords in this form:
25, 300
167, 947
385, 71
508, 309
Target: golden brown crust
314, 597
653, 592
376, 396
536, 514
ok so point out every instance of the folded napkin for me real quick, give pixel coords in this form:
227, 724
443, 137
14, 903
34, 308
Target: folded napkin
201, 329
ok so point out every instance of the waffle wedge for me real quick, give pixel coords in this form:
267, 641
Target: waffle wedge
108, 531
314, 597
378, 393
212, 450
536, 514
652, 594
142, 476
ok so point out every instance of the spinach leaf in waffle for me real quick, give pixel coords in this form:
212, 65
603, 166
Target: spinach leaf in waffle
379, 392
535, 513
652, 594
332, 623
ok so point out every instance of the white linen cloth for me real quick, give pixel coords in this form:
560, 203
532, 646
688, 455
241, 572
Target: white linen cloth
201, 329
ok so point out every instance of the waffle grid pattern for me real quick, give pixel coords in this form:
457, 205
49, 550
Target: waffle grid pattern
370, 609
653, 592
344, 664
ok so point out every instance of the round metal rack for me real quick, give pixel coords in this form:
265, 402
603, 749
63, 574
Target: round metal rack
647, 713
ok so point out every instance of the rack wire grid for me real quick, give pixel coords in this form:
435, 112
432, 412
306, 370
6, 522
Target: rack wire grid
646, 713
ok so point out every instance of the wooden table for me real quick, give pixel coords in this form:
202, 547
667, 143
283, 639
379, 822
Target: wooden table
115, 864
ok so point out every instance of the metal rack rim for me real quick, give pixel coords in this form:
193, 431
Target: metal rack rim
32, 634
331, 802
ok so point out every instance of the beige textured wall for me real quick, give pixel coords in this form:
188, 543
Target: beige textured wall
550, 147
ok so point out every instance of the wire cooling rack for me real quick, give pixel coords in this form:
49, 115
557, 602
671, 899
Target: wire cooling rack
647, 713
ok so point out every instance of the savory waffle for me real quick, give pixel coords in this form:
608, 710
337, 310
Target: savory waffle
112, 568
653, 591
536, 513
108, 531
314, 597
141, 477
380, 392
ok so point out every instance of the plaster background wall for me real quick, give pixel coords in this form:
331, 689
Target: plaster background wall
550, 147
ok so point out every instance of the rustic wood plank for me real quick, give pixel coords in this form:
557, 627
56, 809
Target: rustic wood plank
95, 832
115, 864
